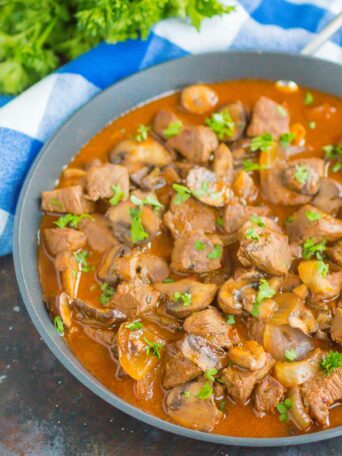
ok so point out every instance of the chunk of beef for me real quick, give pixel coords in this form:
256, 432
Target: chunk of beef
235, 215
301, 228
268, 394
162, 120
196, 143
97, 232
329, 196
206, 186
198, 98
336, 327
178, 369
210, 324
134, 298
197, 253
202, 294
268, 117
223, 164
68, 199
239, 116
335, 253
310, 183
249, 355
322, 392
256, 330
188, 217
107, 270
203, 353
184, 407
241, 382
101, 179
59, 240
89, 314
150, 268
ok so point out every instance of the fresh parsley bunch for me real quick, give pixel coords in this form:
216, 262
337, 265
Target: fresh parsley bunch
38, 36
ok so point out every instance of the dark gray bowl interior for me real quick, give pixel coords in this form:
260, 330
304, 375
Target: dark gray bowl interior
93, 117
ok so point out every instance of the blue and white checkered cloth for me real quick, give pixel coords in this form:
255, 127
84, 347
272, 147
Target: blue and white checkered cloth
29, 120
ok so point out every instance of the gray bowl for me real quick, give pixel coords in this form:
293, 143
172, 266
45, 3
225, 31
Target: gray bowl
91, 118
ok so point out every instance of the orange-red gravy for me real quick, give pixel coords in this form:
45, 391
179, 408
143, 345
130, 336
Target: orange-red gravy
239, 420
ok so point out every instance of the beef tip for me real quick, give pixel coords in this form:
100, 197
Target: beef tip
268, 117
188, 217
235, 215
134, 298
68, 199
335, 253
101, 179
206, 186
268, 394
150, 268
239, 115
210, 324
336, 327
268, 251
249, 355
322, 392
59, 240
309, 185
241, 382
197, 253
198, 98
178, 369
107, 270
223, 164
184, 407
202, 294
244, 187
97, 232
256, 329
329, 196
196, 143
241, 151
162, 120
301, 228
202, 352
89, 314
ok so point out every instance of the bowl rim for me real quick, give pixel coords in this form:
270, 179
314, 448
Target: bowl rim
69, 360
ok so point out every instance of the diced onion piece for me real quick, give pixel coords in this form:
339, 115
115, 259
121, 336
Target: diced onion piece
296, 373
297, 412
279, 339
309, 273
288, 305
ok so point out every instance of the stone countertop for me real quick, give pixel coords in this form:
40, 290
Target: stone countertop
44, 410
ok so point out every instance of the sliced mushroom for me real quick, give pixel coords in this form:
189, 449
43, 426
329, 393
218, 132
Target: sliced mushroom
230, 296
206, 186
203, 353
88, 313
198, 98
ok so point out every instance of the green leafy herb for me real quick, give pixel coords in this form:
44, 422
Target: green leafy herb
289, 219
313, 216
200, 245
301, 174
148, 201
230, 320
257, 220
336, 167
186, 298
221, 123
183, 193
312, 249
281, 110
290, 355
168, 280
205, 392
81, 257
222, 405
323, 268
186, 394
286, 139
173, 129
283, 408
209, 374
107, 293
312, 125
118, 195
332, 152
332, 361
54, 201
252, 234
262, 142
72, 220
59, 326
219, 221
137, 229
142, 133
252, 166
308, 98
153, 347
264, 292
216, 253
134, 325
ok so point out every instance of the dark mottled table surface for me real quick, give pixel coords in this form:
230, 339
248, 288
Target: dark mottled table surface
45, 411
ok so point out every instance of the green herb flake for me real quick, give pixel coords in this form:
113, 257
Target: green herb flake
134, 325
231, 320
301, 174
262, 142
59, 325
185, 298
313, 216
81, 258
290, 355
219, 221
323, 268
332, 152
182, 194
142, 133
118, 195
257, 221
308, 98
186, 394
209, 374
148, 201
153, 347
205, 392
252, 166
311, 249
173, 129
330, 362
216, 253
168, 280
336, 167
137, 229
281, 110
264, 292
312, 125
221, 123
283, 408
252, 235
286, 139
107, 293
221, 406
57, 203
71, 220
200, 245
289, 219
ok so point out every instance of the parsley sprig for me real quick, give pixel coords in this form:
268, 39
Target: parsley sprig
314, 249
283, 408
71, 220
264, 292
185, 298
134, 325
330, 362
148, 201
107, 293
252, 166
153, 347
173, 129
118, 195
205, 392
81, 258
182, 194
142, 133
210, 373
262, 142
59, 325
138, 232
221, 123
301, 174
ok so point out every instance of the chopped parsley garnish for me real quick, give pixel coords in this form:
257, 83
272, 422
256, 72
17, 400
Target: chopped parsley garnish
332, 361
264, 292
118, 195
59, 326
186, 298
200, 245
281, 110
222, 405
219, 221
107, 293
186, 394
205, 392
312, 125
289, 219
72, 220
332, 152
168, 280
312, 249
313, 216
137, 229
252, 166
221, 123
58, 204
290, 355
142, 133
148, 201
283, 408
203, 190
257, 220
262, 142
81, 258
252, 235
183, 193
216, 253
308, 98
301, 174
209, 374
323, 268
336, 168
230, 320
286, 139
173, 129
153, 348
134, 325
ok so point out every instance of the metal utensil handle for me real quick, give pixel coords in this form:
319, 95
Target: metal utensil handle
329, 30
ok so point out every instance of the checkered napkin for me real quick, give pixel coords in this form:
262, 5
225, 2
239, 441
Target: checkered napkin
29, 120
